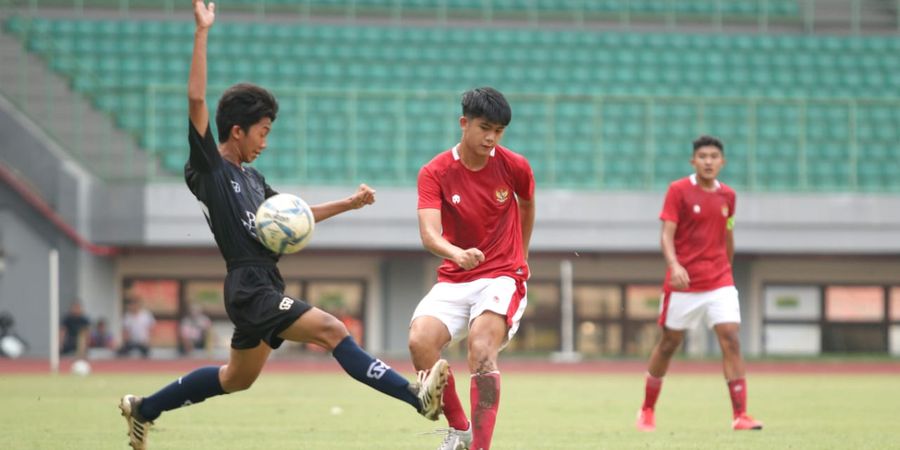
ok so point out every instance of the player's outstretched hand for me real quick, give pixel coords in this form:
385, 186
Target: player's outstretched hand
364, 196
204, 15
469, 259
679, 278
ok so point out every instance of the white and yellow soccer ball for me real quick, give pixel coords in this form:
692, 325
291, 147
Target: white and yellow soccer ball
284, 223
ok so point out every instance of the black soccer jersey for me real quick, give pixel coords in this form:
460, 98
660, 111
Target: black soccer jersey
230, 196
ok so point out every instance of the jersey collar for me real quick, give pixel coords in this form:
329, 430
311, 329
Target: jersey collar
455, 151
694, 181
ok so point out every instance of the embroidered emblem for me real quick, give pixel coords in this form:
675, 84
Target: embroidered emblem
502, 195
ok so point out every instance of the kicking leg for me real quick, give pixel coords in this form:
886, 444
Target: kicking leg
427, 337
323, 329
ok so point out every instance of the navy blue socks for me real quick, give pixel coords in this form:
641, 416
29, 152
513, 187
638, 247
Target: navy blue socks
204, 383
368, 370
194, 387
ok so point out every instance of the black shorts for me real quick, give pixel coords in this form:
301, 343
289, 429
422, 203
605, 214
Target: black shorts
256, 304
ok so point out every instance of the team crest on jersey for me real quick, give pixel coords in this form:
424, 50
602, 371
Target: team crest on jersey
455, 199
696, 209
502, 195
724, 210
236, 186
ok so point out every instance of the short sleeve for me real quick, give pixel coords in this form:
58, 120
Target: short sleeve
268, 191
204, 152
671, 205
524, 179
429, 190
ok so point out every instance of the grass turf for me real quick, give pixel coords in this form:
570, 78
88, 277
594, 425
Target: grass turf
560, 411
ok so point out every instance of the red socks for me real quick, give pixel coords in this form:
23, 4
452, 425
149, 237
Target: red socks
453, 409
738, 391
651, 391
485, 396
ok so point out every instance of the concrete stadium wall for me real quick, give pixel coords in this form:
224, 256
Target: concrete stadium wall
27, 236
570, 221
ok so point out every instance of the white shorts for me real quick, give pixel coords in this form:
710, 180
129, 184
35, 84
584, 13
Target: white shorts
458, 304
683, 310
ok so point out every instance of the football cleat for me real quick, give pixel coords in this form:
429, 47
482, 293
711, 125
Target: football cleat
455, 439
138, 427
429, 388
645, 420
745, 422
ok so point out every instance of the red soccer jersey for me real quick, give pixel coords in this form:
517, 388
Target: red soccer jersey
479, 209
702, 219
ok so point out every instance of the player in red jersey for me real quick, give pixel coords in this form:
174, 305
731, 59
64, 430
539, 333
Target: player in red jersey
476, 210
698, 244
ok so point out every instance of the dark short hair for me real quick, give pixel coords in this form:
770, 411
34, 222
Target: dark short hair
244, 104
708, 141
486, 103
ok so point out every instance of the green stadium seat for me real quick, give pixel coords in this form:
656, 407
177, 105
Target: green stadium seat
563, 118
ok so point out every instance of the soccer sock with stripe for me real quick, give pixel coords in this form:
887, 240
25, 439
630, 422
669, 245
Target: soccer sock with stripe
652, 386
485, 396
368, 370
453, 409
738, 391
194, 387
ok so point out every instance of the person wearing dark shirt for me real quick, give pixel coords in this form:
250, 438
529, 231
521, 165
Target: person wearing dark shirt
100, 335
264, 317
74, 331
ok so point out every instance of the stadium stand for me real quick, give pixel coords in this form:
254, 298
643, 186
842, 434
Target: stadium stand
603, 109
550, 9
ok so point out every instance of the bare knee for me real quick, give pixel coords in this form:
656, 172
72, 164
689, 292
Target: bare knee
426, 340
730, 343
420, 343
331, 333
669, 344
234, 381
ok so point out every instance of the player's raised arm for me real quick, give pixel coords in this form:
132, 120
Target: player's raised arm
204, 16
363, 196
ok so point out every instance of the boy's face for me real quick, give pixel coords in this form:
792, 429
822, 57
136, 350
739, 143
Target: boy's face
253, 142
479, 135
708, 161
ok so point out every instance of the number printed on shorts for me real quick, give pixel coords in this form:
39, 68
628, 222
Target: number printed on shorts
285, 304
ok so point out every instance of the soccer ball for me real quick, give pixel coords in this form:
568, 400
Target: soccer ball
81, 368
284, 223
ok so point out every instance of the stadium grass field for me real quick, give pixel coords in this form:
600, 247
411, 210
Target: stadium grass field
538, 411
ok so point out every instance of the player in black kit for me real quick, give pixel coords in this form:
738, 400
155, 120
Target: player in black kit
254, 290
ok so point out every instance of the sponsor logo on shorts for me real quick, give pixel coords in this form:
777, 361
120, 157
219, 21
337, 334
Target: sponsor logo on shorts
286, 304
377, 369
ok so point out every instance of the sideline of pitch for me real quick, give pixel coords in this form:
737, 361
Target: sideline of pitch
511, 365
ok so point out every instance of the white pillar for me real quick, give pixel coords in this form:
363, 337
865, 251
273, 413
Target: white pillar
567, 315
54, 310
